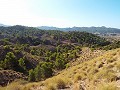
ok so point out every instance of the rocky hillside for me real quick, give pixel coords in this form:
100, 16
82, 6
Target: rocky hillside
41, 54
101, 73
7, 76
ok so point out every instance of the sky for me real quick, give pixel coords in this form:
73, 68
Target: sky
60, 13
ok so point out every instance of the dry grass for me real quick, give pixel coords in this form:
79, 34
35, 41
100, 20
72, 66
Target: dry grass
93, 72
50, 87
56, 83
107, 86
97, 74
96, 70
29, 86
15, 85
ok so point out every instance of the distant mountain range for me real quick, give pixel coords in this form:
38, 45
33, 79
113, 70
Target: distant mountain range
95, 30
101, 30
3, 25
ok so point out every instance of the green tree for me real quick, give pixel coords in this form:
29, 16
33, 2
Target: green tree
46, 69
22, 63
2, 65
31, 76
38, 73
59, 63
10, 60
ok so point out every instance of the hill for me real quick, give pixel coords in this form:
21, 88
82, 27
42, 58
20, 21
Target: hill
24, 47
34, 36
91, 75
95, 30
40, 54
99, 30
100, 73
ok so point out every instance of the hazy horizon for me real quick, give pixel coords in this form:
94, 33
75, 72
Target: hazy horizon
62, 13
1, 24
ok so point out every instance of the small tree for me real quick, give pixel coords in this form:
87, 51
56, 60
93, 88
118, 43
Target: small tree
2, 65
9, 61
38, 73
22, 63
59, 63
31, 76
46, 69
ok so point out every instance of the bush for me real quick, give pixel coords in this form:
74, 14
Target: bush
67, 65
7, 47
60, 84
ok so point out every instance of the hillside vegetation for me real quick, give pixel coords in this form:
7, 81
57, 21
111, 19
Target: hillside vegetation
35, 55
100, 73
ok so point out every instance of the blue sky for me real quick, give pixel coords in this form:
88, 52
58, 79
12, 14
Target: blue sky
61, 13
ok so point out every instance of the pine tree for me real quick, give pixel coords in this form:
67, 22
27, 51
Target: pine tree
10, 61
38, 73
31, 76
22, 63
